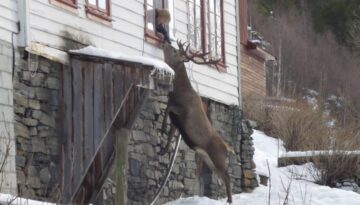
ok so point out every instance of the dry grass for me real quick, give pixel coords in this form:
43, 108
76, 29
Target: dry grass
302, 128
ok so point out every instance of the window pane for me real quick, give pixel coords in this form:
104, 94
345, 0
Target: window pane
92, 2
191, 23
198, 29
159, 4
150, 17
102, 4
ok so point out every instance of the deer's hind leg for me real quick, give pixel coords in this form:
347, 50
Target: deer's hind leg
221, 164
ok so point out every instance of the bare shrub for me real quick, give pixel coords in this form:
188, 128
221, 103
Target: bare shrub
255, 109
301, 128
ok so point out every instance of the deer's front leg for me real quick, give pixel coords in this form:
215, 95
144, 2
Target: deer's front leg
168, 109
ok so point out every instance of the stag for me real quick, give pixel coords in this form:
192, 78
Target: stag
187, 115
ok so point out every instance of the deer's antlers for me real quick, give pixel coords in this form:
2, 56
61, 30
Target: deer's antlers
196, 56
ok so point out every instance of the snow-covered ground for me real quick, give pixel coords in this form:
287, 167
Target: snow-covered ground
302, 190
13, 200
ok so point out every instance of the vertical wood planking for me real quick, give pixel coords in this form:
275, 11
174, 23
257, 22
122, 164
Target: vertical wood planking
98, 111
77, 119
108, 93
89, 113
68, 165
98, 103
118, 79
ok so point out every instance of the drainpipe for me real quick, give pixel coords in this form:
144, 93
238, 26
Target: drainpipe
238, 49
23, 16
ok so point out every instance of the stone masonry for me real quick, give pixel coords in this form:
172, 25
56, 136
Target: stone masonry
7, 140
189, 176
36, 105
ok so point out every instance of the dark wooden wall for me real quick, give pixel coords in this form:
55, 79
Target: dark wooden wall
253, 74
93, 92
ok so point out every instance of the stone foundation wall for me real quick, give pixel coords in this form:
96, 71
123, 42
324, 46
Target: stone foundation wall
36, 105
189, 176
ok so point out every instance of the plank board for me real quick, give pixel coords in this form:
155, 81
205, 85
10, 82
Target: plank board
89, 144
77, 121
67, 144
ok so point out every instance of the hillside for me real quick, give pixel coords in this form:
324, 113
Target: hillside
316, 44
292, 185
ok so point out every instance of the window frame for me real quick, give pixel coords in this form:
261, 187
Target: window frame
150, 35
206, 36
98, 12
71, 3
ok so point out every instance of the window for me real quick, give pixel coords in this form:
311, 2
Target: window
206, 27
71, 3
99, 8
150, 6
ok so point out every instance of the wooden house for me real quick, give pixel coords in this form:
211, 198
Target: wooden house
253, 59
61, 102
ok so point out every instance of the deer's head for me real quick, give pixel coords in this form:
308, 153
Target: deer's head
173, 57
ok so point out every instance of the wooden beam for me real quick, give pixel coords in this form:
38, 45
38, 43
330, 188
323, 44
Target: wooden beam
121, 163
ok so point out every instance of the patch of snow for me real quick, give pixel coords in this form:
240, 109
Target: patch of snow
297, 177
318, 153
159, 65
13, 200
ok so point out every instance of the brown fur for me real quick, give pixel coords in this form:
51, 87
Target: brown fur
188, 116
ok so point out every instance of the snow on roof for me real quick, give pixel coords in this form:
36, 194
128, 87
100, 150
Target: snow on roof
159, 65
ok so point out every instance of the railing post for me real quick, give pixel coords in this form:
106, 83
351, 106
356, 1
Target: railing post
122, 140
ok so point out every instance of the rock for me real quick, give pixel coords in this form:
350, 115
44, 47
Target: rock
52, 83
148, 150
34, 104
20, 176
30, 122
249, 174
253, 124
32, 171
42, 94
150, 174
22, 130
45, 176
134, 167
45, 67
138, 135
44, 118
34, 182
252, 164
20, 161
25, 75
38, 145
52, 145
19, 110
21, 100
33, 131
173, 185
37, 79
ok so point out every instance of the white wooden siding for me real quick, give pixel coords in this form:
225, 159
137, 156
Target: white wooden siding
8, 19
49, 23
